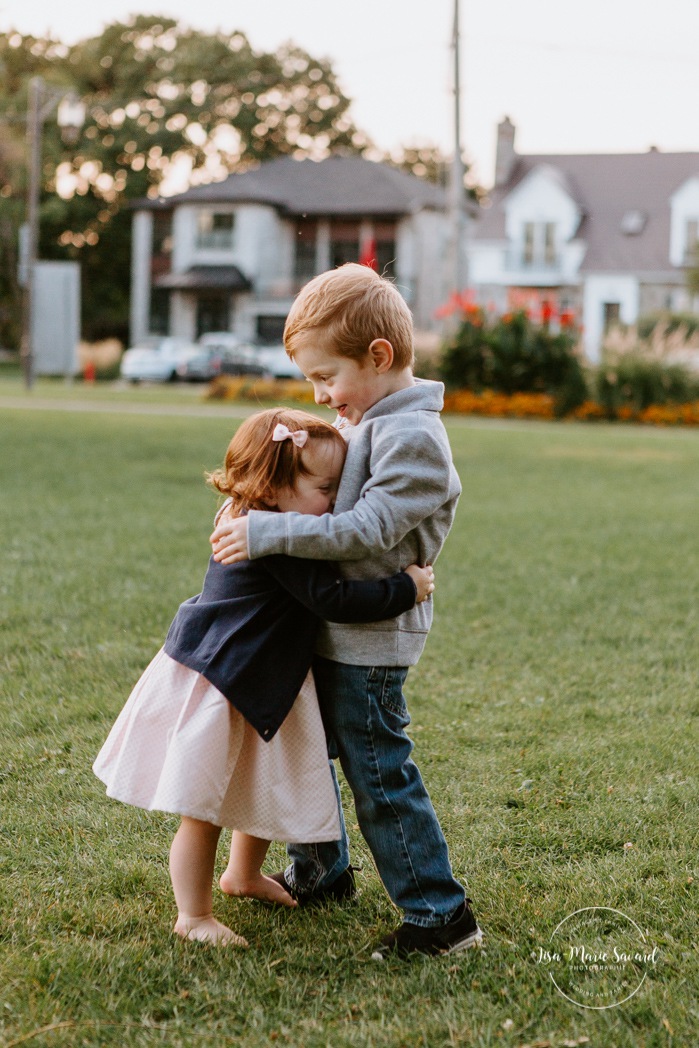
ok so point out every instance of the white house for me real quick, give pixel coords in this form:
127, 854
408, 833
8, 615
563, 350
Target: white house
231, 255
607, 237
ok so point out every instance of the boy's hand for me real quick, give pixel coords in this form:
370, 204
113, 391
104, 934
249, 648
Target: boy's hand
230, 540
423, 579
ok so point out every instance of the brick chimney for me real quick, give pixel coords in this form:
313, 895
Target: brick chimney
505, 155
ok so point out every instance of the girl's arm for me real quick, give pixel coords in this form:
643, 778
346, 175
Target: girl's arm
318, 586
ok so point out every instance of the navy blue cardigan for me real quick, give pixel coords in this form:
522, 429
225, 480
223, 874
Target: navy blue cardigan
251, 632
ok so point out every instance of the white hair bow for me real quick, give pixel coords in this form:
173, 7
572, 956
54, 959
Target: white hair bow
282, 432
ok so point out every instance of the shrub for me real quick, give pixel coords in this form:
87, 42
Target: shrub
511, 354
668, 323
634, 381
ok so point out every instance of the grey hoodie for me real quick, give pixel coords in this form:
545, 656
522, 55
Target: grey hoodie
395, 506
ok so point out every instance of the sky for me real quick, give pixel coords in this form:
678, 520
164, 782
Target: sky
596, 77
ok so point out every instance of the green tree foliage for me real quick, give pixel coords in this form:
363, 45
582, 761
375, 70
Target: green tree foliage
428, 161
160, 98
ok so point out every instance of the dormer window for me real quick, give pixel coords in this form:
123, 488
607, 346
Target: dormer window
539, 244
215, 229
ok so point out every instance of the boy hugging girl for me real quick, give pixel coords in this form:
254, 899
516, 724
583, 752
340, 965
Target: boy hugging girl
350, 332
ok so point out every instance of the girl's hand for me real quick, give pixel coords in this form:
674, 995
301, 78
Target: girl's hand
423, 579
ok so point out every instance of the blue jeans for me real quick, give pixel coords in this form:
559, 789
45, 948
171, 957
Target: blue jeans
365, 717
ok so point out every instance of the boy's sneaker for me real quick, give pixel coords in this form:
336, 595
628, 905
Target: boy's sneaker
459, 933
343, 887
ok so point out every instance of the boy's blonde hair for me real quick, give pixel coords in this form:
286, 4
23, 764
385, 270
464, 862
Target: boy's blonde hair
354, 306
257, 467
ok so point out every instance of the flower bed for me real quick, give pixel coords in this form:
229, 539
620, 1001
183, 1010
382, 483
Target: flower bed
228, 387
500, 405
489, 403
541, 405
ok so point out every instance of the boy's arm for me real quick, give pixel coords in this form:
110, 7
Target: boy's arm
319, 588
410, 480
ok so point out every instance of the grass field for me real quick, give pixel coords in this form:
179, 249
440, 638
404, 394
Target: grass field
555, 717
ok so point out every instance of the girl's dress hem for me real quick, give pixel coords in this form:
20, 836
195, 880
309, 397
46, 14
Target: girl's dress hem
180, 746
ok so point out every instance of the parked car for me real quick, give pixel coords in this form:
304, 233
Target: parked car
221, 353
277, 362
221, 339
272, 359
215, 360
156, 359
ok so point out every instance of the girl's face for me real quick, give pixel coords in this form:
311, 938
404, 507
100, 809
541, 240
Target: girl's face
314, 493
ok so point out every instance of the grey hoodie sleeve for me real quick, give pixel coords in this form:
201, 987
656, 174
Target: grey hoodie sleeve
411, 478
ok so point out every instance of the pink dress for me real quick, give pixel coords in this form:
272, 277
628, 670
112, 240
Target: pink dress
180, 746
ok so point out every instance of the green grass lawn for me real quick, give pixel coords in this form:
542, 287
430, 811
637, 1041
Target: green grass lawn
117, 391
555, 717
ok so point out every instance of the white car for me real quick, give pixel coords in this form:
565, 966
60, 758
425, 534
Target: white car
221, 339
272, 358
275, 359
157, 359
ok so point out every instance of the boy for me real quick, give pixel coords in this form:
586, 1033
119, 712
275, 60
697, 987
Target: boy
351, 334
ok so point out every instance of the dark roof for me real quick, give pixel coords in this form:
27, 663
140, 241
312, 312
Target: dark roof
339, 185
607, 187
200, 278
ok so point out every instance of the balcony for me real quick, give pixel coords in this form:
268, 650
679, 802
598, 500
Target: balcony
537, 269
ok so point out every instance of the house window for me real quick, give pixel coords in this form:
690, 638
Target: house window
162, 232
344, 243
305, 256
213, 312
528, 247
159, 321
633, 222
539, 244
215, 229
612, 314
161, 256
385, 237
270, 328
691, 240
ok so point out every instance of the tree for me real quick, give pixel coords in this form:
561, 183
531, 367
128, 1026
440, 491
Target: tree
161, 98
428, 161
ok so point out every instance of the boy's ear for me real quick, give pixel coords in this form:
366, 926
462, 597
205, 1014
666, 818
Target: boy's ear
381, 354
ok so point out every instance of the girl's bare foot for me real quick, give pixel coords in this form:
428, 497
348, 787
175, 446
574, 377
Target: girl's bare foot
207, 929
254, 887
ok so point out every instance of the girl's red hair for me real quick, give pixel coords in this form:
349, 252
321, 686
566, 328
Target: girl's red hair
256, 467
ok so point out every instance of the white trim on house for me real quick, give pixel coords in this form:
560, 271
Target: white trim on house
600, 289
684, 208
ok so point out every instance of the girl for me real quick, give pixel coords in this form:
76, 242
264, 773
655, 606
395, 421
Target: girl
223, 728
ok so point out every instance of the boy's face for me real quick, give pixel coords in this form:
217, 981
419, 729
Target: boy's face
348, 386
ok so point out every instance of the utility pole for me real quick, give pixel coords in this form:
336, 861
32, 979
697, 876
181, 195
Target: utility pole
71, 117
459, 276
34, 129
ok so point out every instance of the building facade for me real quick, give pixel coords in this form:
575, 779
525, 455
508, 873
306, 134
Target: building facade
231, 256
605, 237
